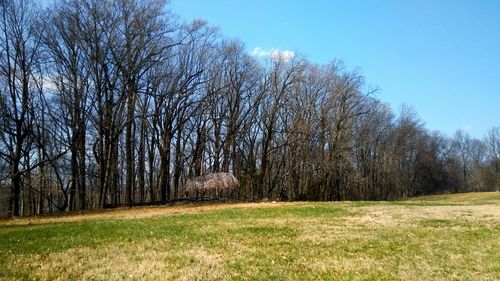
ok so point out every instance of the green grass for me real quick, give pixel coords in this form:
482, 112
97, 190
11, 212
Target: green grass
462, 198
428, 238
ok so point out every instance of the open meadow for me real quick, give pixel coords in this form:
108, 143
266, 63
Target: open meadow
448, 237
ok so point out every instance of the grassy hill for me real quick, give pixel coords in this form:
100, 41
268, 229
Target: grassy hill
451, 237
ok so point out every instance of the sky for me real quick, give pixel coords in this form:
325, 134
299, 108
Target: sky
441, 57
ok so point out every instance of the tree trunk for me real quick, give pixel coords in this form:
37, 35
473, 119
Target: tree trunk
165, 184
74, 172
178, 162
129, 142
141, 161
16, 195
151, 163
82, 173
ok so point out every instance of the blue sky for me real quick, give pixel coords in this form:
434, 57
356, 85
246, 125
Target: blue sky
441, 57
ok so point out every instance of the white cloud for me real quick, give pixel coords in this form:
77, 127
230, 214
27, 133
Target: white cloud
48, 83
272, 53
285, 55
466, 128
259, 52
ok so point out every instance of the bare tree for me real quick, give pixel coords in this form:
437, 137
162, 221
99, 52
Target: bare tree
69, 76
177, 96
462, 144
492, 142
113, 102
140, 43
19, 64
279, 80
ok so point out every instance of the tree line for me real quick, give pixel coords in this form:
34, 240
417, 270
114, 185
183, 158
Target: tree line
115, 102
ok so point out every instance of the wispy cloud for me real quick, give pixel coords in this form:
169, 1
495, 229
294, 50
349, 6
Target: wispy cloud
272, 53
48, 83
466, 128
259, 52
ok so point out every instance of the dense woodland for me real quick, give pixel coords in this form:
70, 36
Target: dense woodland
116, 102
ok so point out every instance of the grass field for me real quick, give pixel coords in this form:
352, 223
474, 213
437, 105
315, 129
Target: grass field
452, 237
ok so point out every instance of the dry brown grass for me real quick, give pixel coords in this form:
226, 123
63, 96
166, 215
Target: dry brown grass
467, 198
151, 260
263, 241
114, 261
204, 265
402, 215
134, 213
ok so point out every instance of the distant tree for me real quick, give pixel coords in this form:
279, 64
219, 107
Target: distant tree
462, 145
114, 102
177, 97
70, 79
20, 84
279, 80
492, 143
140, 44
